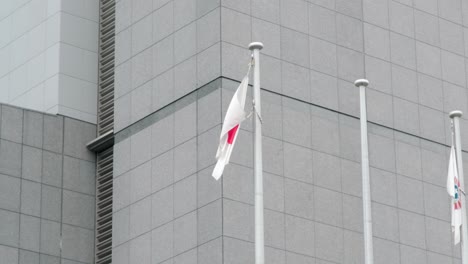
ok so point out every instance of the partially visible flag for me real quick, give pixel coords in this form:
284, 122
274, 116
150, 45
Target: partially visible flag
234, 117
453, 189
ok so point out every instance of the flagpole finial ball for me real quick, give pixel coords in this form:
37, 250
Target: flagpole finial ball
361, 82
255, 45
456, 113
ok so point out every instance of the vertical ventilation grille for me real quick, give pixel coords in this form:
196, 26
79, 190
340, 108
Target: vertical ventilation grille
104, 190
106, 67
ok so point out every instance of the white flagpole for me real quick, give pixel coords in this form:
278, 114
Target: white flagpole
455, 115
258, 166
366, 192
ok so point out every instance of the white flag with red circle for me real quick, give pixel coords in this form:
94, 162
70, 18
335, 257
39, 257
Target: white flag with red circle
453, 189
234, 117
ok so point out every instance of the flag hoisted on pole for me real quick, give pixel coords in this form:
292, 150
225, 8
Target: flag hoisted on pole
234, 117
366, 191
453, 189
458, 169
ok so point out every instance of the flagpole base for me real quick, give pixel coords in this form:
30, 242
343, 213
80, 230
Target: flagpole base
456, 113
361, 82
255, 45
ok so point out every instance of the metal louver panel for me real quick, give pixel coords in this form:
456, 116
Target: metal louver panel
104, 191
106, 67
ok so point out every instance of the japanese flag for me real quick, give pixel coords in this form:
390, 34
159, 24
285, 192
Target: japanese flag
234, 117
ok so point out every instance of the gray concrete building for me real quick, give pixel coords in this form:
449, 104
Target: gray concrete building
128, 179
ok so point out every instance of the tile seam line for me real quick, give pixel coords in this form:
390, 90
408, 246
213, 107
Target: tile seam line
126, 133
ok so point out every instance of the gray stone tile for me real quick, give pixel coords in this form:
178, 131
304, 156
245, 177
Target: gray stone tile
123, 112
9, 229
429, 6
376, 12
163, 22
295, 47
434, 202
431, 123
300, 236
433, 165
430, 92
141, 104
323, 90
274, 229
294, 15
162, 171
51, 203
141, 8
78, 244
231, 66
122, 157
120, 254
121, 226
185, 43
325, 135
185, 123
162, 243
50, 238
209, 111
410, 194
208, 189
381, 153
185, 195
52, 168
185, 159
433, 258
142, 66
235, 27
299, 199
349, 32
46, 259
12, 124
403, 51
412, 255
211, 252
327, 209
28, 257
142, 36
350, 64
329, 243
352, 213
275, 256
140, 249
210, 60
238, 220
30, 229
185, 233
9, 254
428, 59
412, 229
162, 136
438, 236
298, 163
326, 170
299, 259
78, 209
185, 11
404, 83
270, 35
401, 18
208, 28
452, 68
77, 135
140, 182
267, 10
32, 164
451, 37
10, 158
210, 222
273, 156
140, 217
451, 10
162, 207
385, 222
189, 257
296, 122
9, 193
185, 77
33, 129
351, 179
426, 27
377, 42
30, 198
386, 251
383, 187
53, 133
79, 175
238, 183
322, 23
238, 251
271, 72
353, 247
140, 148
323, 56
408, 160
